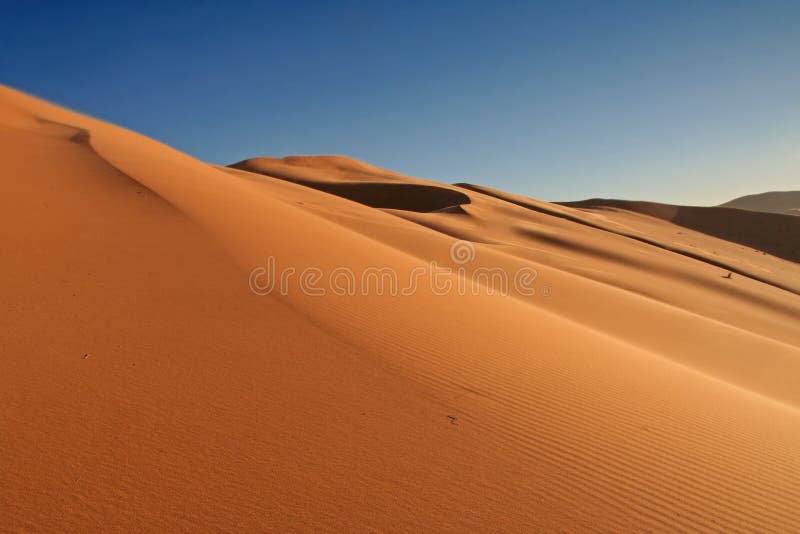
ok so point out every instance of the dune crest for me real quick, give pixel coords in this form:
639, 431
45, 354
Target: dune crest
636, 386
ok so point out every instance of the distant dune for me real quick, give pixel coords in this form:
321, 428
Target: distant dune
638, 371
785, 202
776, 234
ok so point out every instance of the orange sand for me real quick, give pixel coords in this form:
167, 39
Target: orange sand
640, 388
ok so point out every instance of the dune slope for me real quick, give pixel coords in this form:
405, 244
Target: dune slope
145, 386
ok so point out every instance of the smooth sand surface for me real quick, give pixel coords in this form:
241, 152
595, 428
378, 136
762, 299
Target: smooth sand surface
145, 387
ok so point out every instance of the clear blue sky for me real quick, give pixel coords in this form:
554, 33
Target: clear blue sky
687, 102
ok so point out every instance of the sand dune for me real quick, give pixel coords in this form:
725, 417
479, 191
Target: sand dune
144, 386
773, 233
785, 202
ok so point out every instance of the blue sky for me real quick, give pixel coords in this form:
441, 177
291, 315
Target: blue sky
685, 102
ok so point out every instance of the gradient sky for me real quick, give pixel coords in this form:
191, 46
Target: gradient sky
683, 102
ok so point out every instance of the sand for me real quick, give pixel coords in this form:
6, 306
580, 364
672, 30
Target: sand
651, 382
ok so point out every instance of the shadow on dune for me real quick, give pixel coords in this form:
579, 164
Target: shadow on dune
375, 194
773, 233
409, 197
